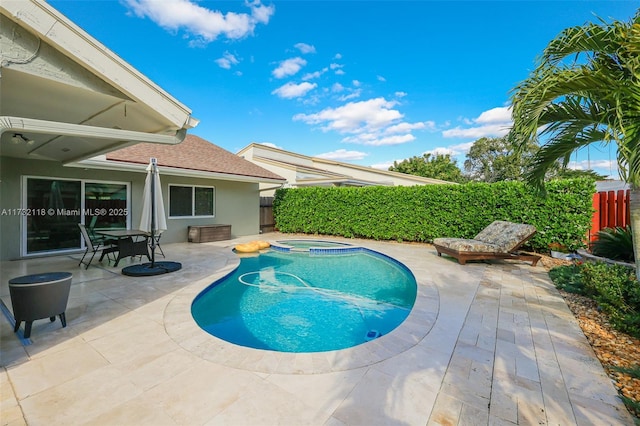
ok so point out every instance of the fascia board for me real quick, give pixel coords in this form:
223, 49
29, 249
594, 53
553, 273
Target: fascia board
69, 129
56, 128
297, 167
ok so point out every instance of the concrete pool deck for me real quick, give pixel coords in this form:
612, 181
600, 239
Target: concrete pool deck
486, 344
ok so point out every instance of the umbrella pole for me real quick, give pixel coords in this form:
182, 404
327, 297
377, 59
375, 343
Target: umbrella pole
149, 269
154, 170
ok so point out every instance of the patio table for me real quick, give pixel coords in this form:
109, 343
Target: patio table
128, 243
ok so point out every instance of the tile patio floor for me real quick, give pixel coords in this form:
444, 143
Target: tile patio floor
486, 344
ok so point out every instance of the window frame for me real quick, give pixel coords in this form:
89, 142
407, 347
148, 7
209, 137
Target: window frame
193, 201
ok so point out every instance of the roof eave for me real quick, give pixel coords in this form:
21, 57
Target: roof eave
121, 138
171, 171
58, 31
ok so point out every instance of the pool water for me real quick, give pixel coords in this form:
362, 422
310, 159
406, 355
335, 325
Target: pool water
297, 302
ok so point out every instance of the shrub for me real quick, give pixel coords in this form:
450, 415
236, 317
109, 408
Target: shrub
614, 287
617, 290
614, 243
567, 278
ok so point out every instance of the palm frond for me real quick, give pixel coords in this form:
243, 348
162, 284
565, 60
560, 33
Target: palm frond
594, 98
579, 40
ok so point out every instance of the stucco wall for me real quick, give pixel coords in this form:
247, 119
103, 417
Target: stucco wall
237, 203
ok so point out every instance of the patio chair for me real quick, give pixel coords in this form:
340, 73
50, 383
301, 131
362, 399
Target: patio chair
91, 229
93, 246
499, 240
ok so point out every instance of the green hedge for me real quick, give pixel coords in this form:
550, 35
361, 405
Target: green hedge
422, 213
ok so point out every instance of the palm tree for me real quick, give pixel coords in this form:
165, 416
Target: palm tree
585, 90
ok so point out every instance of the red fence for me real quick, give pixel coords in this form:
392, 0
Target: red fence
612, 209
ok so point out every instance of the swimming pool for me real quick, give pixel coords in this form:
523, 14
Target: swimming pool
307, 302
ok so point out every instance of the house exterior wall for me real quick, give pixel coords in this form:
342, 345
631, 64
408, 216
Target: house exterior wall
236, 203
288, 173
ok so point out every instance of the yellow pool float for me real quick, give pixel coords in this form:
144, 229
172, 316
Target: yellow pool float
252, 246
247, 248
263, 244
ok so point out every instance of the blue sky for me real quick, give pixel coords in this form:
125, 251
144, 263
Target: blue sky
367, 82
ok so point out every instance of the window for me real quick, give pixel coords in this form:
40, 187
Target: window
188, 201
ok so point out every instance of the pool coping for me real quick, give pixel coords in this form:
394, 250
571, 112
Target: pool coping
182, 328
279, 246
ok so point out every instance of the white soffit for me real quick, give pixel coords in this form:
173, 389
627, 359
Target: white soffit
70, 122
58, 31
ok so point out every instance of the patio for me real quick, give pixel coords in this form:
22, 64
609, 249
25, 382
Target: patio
485, 344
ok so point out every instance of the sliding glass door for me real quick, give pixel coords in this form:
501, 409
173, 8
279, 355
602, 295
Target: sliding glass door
105, 205
52, 220
56, 206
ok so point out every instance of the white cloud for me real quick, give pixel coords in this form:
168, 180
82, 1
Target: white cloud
593, 164
351, 95
338, 56
289, 67
343, 155
204, 25
495, 115
382, 166
354, 117
493, 130
375, 139
337, 87
400, 94
381, 78
442, 151
356, 83
495, 122
292, 90
453, 150
374, 122
227, 61
269, 144
339, 72
316, 74
607, 168
305, 48
407, 127
260, 12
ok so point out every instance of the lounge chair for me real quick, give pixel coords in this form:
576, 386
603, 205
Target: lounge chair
499, 240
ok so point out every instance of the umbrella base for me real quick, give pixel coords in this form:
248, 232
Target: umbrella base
146, 269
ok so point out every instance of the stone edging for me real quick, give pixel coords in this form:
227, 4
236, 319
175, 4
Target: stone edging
593, 258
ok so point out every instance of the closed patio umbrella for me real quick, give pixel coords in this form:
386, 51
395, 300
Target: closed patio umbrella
154, 221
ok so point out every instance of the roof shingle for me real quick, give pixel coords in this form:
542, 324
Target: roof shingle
194, 153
